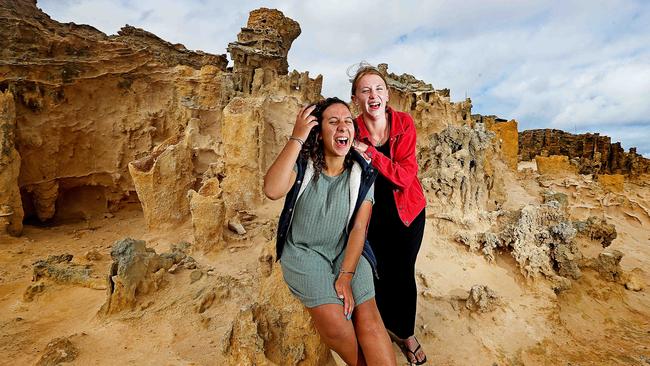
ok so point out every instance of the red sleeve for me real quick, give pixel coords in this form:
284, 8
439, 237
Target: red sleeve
403, 168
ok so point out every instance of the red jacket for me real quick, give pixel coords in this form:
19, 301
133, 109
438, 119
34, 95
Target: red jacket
401, 168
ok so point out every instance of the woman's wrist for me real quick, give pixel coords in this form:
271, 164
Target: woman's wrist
348, 273
297, 139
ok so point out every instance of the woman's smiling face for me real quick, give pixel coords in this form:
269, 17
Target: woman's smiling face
371, 95
337, 130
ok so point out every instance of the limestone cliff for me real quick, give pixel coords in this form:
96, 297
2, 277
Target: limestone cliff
71, 145
593, 153
431, 108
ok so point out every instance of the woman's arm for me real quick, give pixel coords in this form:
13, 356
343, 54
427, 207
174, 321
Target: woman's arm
404, 167
280, 176
353, 251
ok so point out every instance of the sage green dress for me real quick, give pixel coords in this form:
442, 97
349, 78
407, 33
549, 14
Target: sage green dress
314, 251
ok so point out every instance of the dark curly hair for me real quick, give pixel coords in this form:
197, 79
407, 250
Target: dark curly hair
313, 147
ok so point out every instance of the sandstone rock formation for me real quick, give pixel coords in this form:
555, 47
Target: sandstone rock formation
162, 180
612, 182
58, 351
60, 269
151, 91
11, 208
276, 329
508, 139
482, 299
457, 172
261, 46
554, 165
208, 216
539, 238
596, 153
136, 271
431, 108
597, 229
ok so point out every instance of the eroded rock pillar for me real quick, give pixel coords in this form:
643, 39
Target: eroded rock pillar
11, 208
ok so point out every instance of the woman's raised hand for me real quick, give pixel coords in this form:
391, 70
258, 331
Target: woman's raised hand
304, 123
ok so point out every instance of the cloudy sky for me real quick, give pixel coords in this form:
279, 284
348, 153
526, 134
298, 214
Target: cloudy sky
580, 66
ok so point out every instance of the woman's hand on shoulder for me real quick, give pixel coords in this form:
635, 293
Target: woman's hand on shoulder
361, 148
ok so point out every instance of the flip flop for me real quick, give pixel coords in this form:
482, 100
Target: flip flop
405, 350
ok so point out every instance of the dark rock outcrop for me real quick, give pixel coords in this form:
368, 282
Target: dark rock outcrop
593, 153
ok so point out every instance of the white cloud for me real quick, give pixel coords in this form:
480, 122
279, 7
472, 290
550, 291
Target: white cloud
569, 65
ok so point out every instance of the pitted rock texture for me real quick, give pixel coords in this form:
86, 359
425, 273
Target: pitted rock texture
58, 351
136, 271
596, 154
60, 269
263, 44
482, 299
276, 329
457, 172
431, 109
597, 229
11, 208
539, 237
208, 216
70, 145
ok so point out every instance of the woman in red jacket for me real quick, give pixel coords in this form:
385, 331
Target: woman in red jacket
387, 137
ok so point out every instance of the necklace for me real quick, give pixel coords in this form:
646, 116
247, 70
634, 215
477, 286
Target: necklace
384, 137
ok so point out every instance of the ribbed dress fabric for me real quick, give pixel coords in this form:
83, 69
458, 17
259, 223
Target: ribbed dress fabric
313, 253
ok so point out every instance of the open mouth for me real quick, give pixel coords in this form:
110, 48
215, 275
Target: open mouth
341, 141
374, 105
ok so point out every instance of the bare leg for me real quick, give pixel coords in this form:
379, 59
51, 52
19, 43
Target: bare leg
372, 335
337, 332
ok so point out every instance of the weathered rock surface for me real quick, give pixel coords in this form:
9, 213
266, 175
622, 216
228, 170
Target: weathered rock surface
482, 299
60, 269
431, 109
57, 72
136, 271
634, 280
457, 172
539, 237
162, 180
276, 329
612, 182
58, 351
507, 137
597, 229
11, 208
608, 265
208, 216
595, 153
149, 90
263, 44
554, 165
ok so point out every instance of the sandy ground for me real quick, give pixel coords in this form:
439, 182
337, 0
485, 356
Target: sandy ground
593, 323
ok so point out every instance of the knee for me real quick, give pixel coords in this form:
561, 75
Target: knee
332, 332
370, 327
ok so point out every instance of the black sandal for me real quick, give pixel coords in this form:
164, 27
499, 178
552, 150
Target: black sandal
406, 351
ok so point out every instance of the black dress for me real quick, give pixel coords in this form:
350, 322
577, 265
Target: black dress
396, 247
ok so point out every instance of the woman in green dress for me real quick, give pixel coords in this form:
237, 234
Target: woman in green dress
326, 261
